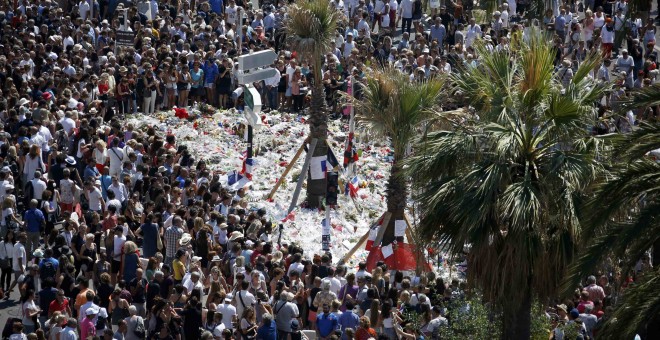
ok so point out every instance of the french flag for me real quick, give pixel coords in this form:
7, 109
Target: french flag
353, 186
373, 233
248, 164
233, 177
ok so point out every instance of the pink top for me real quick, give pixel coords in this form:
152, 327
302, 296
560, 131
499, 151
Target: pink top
87, 328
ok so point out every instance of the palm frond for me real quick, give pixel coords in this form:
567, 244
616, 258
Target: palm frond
642, 98
511, 183
641, 306
636, 145
393, 107
311, 26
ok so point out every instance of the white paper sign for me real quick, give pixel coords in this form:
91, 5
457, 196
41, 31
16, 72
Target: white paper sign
373, 232
387, 251
318, 167
326, 227
400, 228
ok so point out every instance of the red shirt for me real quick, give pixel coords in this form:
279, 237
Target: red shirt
581, 306
364, 334
56, 306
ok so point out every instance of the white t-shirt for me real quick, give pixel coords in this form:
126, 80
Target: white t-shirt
68, 124
6, 212
116, 156
19, 253
118, 244
28, 307
297, 266
95, 199
243, 300
83, 9
232, 16
228, 312
217, 331
47, 136
38, 188
348, 48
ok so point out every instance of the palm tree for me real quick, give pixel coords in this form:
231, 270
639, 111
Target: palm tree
311, 27
505, 185
623, 218
393, 107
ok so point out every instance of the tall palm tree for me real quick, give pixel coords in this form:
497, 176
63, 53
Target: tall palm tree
624, 221
505, 185
311, 26
393, 107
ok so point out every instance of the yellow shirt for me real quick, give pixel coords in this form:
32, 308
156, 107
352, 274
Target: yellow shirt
179, 269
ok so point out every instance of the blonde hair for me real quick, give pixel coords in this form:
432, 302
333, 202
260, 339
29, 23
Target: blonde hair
8, 202
12, 151
100, 143
130, 247
198, 223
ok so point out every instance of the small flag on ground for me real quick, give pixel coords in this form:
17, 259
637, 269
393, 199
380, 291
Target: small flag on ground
350, 154
353, 186
332, 160
247, 168
233, 177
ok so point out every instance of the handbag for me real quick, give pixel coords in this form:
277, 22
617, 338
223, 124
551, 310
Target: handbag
140, 331
159, 242
5, 263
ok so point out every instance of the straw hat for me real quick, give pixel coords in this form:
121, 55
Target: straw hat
235, 235
185, 239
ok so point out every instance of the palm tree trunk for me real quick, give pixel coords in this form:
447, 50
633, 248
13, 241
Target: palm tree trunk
518, 318
318, 128
397, 195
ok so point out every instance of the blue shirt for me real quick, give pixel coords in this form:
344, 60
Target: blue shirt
90, 172
210, 71
33, 219
51, 260
326, 324
267, 332
560, 23
348, 319
438, 32
216, 6
106, 182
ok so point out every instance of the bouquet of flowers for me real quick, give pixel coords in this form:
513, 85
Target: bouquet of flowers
181, 113
206, 109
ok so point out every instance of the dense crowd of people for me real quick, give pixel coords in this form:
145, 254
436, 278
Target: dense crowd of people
116, 232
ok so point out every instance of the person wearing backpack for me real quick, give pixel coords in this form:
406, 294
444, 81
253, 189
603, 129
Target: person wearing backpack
48, 265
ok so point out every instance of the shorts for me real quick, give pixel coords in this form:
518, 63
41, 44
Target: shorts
115, 266
66, 207
198, 91
209, 85
288, 92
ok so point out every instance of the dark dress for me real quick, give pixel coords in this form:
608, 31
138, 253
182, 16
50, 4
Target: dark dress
192, 322
224, 83
131, 263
